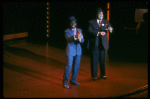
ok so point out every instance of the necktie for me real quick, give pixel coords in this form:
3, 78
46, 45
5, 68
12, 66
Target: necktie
99, 23
74, 32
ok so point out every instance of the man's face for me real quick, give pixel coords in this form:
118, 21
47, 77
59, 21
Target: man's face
73, 24
100, 15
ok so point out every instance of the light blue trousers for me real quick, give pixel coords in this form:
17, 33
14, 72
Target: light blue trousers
72, 61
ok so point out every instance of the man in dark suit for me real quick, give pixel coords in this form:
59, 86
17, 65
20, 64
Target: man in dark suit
98, 44
74, 39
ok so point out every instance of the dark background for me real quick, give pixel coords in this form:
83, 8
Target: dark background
29, 16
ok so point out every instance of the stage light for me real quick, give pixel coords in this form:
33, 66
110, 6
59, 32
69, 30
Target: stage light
47, 21
108, 6
107, 14
47, 35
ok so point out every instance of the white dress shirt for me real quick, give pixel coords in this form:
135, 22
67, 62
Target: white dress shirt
98, 20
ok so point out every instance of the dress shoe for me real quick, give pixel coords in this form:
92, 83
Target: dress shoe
66, 86
103, 77
75, 83
94, 78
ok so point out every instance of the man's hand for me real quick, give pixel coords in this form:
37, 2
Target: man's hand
110, 29
101, 33
79, 37
76, 36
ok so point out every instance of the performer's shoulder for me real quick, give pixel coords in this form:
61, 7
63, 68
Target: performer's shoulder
79, 29
67, 30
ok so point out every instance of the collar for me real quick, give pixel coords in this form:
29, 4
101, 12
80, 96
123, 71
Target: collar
73, 29
98, 20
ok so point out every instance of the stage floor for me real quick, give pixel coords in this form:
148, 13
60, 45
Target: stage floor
32, 70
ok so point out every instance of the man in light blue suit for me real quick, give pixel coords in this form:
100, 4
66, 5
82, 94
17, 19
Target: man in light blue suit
74, 39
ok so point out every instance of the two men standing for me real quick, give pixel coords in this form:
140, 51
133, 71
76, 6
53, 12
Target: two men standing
97, 43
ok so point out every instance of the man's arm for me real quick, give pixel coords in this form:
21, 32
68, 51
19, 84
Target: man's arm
91, 31
68, 37
94, 32
109, 27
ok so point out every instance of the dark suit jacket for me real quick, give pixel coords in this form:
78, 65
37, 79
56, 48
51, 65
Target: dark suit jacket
94, 40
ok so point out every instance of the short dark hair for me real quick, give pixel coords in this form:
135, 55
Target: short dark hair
99, 10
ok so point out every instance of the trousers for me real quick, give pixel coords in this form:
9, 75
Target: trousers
98, 56
72, 61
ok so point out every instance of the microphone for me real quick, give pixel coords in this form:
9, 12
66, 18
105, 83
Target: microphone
78, 32
80, 35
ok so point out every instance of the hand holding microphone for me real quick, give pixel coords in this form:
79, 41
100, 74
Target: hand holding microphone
79, 36
110, 29
101, 33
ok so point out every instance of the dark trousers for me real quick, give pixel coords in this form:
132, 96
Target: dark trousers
96, 57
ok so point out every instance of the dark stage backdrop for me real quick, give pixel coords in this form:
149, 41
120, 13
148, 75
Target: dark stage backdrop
122, 14
29, 16
25, 16
60, 12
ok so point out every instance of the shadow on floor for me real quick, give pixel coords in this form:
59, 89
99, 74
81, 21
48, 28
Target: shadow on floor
31, 73
33, 56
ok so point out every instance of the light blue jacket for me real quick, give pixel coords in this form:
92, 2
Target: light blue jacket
73, 46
